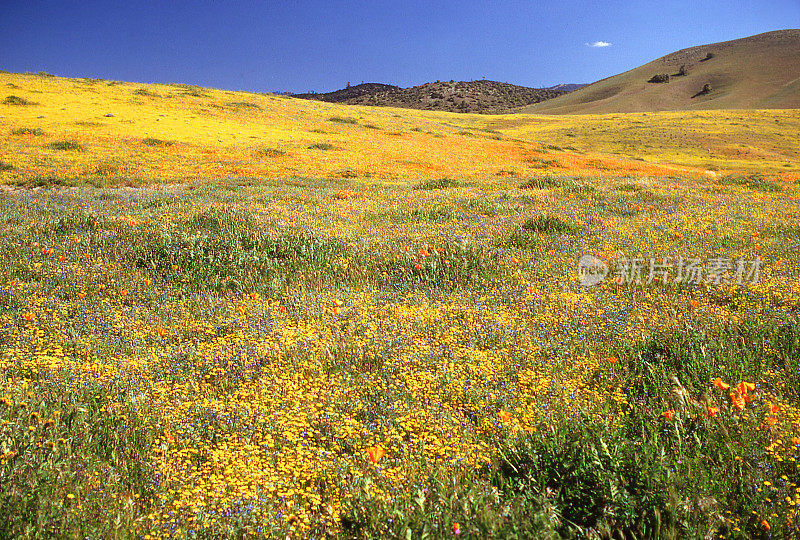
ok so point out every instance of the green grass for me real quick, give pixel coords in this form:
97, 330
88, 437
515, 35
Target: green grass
646, 477
755, 182
543, 182
618, 468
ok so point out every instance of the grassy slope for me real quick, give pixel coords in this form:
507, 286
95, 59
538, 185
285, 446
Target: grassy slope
209, 133
757, 72
751, 141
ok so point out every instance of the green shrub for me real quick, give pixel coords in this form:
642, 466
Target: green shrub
27, 131
16, 100
342, 120
659, 78
548, 224
438, 183
242, 105
145, 92
151, 141
321, 146
67, 145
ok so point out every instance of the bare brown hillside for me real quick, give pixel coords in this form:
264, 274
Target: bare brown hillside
757, 72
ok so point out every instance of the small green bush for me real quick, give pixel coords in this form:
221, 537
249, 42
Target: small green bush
342, 120
145, 92
548, 224
321, 146
27, 131
542, 182
67, 145
438, 183
659, 78
242, 105
150, 141
16, 100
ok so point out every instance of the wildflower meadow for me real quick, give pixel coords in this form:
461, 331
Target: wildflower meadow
231, 315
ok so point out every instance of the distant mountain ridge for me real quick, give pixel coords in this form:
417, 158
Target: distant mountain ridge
480, 96
756, 72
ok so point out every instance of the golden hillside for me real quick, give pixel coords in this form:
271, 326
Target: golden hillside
59, 131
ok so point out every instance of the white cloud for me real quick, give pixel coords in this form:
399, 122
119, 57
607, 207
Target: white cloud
599, 44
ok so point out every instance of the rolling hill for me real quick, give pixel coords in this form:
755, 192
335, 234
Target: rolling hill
481, 96
757, 72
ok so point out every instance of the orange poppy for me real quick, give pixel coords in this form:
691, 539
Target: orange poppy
161, 331
375, 453
123, 292
28, 316
281, 309
613, 359
668, 414
148, 281
81, 295
773, 409
744, 387
765, 524
504, 416
721, 385
795, 441
456, 528
737, 400
712, 411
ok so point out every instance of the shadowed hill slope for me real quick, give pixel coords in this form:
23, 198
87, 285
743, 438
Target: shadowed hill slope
757, 72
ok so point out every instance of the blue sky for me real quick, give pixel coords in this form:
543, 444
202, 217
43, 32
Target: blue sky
302, 45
